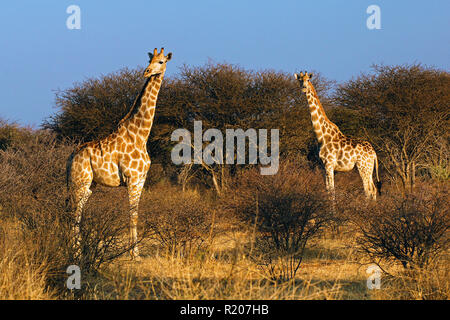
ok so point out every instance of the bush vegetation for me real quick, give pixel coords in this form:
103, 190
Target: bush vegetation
286, 210
412, 230
226, 232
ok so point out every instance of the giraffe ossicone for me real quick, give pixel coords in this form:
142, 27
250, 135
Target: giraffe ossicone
338, 152
121, 158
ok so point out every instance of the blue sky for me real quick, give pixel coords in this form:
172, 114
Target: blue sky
39, 54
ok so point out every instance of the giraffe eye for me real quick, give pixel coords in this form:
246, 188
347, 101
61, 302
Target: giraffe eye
161, 62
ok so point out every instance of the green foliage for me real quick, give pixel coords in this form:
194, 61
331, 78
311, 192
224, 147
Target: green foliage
440, 173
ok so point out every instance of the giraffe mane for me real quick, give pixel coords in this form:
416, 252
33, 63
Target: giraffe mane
137, 102
319, 104
133, 110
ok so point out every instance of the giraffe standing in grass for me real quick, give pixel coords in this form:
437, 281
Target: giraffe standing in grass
121, 158
337, 152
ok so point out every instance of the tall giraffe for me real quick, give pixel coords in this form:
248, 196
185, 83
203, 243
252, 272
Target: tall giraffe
121, 158
338, 152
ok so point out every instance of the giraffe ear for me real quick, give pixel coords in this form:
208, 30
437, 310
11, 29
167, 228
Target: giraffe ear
296, 76
150, 55
310, 75
169, 56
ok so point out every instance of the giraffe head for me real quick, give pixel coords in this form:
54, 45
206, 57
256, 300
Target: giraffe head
157, 63
303, 78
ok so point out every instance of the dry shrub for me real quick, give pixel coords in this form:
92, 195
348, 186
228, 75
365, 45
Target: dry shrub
11, 132
399, 108
33, 193
22, 275
179, 221
286, 210
411, 229
350, 197
429, 283
104, 228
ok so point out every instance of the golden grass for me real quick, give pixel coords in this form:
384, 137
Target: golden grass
332, 268
21, 276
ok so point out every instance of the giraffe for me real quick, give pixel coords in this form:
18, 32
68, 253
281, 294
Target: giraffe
338, 152
121, 158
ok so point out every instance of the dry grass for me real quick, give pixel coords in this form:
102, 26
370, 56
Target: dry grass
223, 268
22, 276
333, 268
213, 258
222, 272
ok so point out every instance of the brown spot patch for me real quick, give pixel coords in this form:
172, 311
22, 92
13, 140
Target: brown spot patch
134, 164
126, 157
133, 128
135, 154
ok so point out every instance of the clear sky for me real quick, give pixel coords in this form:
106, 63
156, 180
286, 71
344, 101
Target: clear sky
39, 54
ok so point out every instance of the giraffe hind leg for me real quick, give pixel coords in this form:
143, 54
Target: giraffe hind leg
373, 189
369, 187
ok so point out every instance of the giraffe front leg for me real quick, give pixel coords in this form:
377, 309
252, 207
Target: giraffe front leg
82, 196
330, 186
134, 194
330, 182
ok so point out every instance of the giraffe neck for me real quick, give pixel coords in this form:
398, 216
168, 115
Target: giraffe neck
318, 117
140, 118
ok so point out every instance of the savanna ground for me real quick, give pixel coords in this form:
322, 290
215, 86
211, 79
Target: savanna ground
227, 232
196, 245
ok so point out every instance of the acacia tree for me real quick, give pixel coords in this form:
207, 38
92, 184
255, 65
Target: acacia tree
222, 96
11, 132
225, 96
93, 108
401, 109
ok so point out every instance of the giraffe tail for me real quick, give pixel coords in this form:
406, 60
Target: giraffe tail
378, 184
